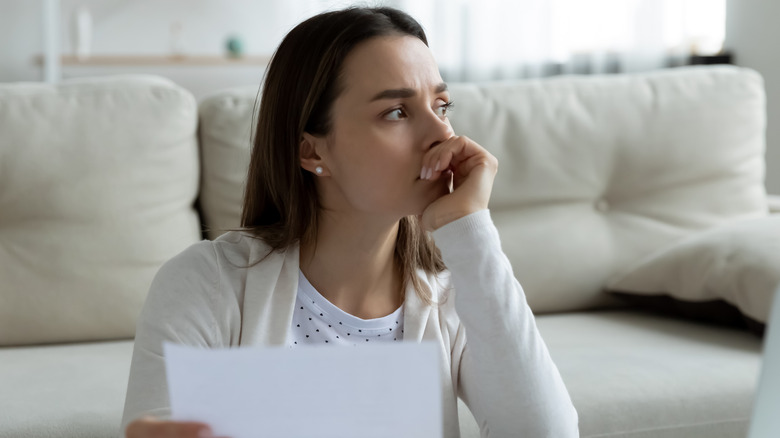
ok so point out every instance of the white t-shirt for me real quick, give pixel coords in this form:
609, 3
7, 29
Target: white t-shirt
317, 321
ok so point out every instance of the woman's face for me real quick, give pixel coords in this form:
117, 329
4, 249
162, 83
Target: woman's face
392, 109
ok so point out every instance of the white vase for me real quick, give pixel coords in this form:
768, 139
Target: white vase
177, 42
82, 32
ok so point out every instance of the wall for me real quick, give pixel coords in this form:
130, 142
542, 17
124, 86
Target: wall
145, 27
752, 33
22, 38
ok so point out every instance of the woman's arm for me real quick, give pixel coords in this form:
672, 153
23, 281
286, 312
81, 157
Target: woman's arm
507, 377
180, 308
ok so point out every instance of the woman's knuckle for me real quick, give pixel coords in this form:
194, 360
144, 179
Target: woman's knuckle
141, 427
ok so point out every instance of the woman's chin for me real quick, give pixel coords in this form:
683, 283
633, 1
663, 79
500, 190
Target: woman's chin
431, 194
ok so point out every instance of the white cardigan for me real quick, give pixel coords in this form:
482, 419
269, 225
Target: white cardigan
207, 297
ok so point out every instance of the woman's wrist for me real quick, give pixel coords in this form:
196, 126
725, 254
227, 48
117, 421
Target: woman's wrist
445, 218
464, 224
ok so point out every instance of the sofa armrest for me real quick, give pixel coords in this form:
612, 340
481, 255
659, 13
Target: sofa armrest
774, 204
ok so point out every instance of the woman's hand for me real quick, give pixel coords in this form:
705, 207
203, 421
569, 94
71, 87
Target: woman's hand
148, 427
472, 170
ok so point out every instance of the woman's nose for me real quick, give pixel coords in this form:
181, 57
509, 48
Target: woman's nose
438, 130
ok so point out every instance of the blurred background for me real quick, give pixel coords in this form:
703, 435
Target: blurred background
209, 45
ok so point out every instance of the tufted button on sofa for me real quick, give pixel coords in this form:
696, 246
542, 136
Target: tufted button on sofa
602, 205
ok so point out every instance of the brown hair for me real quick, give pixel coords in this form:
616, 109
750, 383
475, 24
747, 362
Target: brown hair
281, 204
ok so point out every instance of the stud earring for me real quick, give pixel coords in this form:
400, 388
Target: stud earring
318, 169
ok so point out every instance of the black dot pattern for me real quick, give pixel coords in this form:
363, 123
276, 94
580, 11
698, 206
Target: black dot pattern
316, 321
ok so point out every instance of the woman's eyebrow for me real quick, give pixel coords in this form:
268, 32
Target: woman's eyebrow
402, 93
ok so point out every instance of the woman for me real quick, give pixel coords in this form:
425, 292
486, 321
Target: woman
358, 194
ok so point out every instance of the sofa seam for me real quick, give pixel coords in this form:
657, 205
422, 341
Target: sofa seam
217, 285
652, 429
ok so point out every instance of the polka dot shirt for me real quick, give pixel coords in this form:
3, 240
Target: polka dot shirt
317, 321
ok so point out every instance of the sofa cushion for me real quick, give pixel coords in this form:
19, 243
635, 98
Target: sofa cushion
225, 134
97, 183
634, 375
64, 391
738, 263
595, 172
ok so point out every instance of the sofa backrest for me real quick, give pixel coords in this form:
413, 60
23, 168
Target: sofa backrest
599, 171
97, 183
594, 171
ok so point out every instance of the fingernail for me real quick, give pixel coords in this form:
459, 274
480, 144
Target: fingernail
422, 173
438, 163
430, 174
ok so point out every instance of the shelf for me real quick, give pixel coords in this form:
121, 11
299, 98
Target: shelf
158, 60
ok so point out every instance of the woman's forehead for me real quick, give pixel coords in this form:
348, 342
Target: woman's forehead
389, 63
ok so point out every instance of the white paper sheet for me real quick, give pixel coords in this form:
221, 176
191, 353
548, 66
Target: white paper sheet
383, 391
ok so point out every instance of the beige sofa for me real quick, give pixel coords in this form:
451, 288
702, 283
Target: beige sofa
103, 179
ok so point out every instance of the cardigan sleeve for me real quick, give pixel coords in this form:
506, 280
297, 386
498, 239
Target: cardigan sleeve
506, 375
180, 308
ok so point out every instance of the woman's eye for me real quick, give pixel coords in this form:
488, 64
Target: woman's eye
396, 114
444, 109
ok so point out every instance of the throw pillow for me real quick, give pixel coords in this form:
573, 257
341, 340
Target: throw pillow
738, 263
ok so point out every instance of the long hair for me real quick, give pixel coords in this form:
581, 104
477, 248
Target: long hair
302, 81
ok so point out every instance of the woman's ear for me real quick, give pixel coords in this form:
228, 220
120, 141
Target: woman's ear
310, 157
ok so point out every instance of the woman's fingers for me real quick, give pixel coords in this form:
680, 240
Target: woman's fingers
148, 427
473, 170
441, 156
457, 154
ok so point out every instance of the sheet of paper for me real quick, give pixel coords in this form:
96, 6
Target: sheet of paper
391, 390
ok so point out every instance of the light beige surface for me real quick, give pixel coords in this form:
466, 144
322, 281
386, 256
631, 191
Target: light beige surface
595, 171
97, 181
738, 262
633, 375
63, 391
